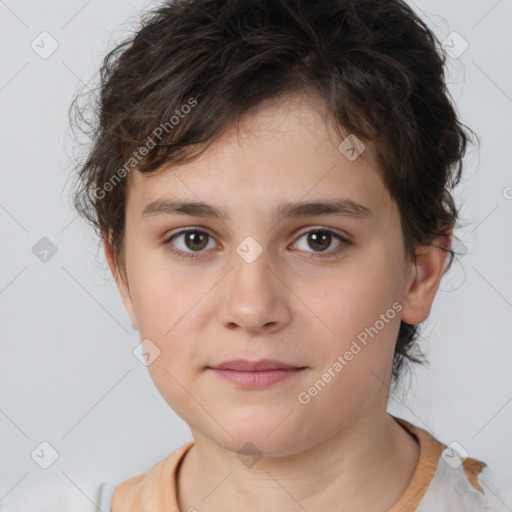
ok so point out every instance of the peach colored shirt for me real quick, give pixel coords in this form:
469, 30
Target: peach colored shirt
155, 490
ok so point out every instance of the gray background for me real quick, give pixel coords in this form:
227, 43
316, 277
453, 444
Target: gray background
68, 373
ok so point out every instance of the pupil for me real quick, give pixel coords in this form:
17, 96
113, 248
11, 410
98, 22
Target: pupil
325, 236
195, 237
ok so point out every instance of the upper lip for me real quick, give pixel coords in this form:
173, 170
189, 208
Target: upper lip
253, 366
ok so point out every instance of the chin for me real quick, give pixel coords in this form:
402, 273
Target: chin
255, 441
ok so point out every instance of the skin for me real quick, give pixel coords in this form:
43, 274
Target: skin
290, 304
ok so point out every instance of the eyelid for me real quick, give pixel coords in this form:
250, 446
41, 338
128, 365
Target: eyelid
181, 231
340, 233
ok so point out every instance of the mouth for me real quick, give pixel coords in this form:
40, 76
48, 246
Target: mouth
255, 374
245, 365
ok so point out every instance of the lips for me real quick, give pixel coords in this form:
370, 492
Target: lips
253, 375
245, 365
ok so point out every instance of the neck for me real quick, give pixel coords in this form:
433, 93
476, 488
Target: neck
365, 467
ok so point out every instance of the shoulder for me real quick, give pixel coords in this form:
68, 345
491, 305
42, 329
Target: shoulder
466, 484
446, 481
155, 489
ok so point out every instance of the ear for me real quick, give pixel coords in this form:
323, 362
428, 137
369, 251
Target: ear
424, 278
121, 281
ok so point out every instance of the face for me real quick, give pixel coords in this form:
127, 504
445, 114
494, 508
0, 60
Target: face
302, 289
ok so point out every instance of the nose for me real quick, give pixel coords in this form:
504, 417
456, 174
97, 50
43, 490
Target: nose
253, 297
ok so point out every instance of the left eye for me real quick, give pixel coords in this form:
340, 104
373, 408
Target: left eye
195, 240
321, 239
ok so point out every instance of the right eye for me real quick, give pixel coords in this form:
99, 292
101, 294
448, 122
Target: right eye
194, 239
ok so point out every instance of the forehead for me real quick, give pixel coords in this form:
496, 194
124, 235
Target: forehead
281, 149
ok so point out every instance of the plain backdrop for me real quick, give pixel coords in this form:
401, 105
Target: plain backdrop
68, 373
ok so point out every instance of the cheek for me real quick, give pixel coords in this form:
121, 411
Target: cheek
162, 296
360, 318
348, 302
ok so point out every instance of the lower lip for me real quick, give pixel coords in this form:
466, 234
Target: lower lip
256, 379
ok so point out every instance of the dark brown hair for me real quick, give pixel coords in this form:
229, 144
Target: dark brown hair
193, 67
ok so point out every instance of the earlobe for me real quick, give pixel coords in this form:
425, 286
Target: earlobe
121, 282
424, 280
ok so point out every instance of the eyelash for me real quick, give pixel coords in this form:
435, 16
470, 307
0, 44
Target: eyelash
182, 254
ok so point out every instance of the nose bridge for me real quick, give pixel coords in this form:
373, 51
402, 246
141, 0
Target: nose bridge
252, 297
250, 250
252, 261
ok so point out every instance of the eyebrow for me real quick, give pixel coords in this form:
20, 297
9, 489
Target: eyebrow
343, 207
